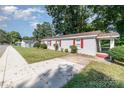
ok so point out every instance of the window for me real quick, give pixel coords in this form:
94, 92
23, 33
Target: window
77, 43
49, 43
58, 42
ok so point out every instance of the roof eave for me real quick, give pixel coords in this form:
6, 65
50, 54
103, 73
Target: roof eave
88, 36
107, 37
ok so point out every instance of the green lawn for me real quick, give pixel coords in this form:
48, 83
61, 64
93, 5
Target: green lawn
98, 75
33, 55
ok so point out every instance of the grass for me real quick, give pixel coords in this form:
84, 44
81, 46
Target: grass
98, 75
33, 55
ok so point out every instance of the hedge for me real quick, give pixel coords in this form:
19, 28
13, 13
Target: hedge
73, 49
44, 46
37, 45
66, 50
117, 53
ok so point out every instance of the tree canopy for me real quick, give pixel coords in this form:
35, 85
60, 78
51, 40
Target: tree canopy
14, 37
27, 38
3, 37
107, 17
42, 31
68, 19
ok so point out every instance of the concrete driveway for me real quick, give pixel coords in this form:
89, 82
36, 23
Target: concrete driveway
54, 73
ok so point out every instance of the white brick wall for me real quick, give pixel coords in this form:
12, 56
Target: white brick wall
89, 46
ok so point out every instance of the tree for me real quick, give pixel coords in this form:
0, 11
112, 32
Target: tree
3, 37
120, 28
42, 31
68, 19
14, 37
27, 38
108, 18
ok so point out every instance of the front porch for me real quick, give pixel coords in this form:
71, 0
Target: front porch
105, 43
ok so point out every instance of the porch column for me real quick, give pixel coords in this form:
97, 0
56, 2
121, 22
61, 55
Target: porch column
112, 43
99, 42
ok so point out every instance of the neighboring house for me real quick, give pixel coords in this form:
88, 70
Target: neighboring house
25, 43
87, 43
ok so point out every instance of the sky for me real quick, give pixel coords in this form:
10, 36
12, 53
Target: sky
22, 19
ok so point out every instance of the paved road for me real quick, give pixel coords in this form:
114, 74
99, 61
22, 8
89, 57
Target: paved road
2, 49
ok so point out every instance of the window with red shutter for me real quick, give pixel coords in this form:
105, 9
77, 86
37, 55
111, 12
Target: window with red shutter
60, 43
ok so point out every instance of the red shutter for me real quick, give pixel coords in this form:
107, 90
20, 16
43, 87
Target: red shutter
50, 42
60, 43
82, 43
73, 41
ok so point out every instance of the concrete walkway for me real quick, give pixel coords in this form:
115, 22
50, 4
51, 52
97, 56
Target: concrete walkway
13, 69
54, 73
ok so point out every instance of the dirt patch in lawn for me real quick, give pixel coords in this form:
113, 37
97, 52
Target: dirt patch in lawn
83, 59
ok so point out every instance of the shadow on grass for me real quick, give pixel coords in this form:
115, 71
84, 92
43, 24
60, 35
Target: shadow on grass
93, 79
90, 79
118, 63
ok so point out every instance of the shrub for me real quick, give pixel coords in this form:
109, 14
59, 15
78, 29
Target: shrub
66, 50
61, 49
119, 42
37, 45
56, 47
117, 53
73, 49
44, 46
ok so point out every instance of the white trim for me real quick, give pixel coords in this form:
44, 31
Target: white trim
112, 43
107, 37
99, 42
71, 37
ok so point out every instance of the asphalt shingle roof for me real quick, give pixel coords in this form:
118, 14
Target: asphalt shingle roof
98, 34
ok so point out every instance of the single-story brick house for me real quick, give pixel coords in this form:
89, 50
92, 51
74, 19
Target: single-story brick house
87, 42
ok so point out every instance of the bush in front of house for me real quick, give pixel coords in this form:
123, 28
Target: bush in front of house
66, 50
119, 42
56, 46
73, 49
44, 46
61, 49
117, 53
37, 45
